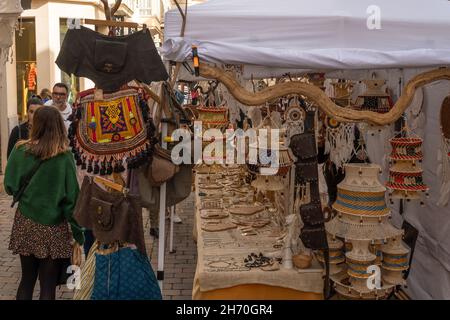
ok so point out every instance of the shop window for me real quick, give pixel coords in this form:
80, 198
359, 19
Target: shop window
26, 66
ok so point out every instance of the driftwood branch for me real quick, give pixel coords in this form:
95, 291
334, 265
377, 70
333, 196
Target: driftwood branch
115, 7
320, 99
150, 92
109, 12
107, 9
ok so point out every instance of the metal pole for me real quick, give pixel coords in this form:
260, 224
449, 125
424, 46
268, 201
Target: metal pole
172, 216
162, 217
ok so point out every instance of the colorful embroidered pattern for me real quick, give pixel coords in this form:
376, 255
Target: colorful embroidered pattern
113, 126
112, 118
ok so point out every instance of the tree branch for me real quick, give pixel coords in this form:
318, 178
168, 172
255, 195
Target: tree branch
107, 9
115, 7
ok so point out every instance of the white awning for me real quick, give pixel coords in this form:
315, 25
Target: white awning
325, 34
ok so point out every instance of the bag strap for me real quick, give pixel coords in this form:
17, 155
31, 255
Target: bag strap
26, 182
410, 238
327, 282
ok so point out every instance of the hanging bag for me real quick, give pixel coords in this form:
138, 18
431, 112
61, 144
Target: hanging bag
125, 274
162, 168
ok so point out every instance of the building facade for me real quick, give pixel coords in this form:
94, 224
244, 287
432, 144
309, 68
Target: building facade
37, 41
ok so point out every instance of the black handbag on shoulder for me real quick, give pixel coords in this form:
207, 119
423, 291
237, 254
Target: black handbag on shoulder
25, 182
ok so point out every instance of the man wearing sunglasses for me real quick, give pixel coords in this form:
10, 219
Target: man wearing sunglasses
60, 94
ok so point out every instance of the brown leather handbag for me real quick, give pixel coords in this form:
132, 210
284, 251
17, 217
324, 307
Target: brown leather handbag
303, 145
112, 216
162, 168
311, 213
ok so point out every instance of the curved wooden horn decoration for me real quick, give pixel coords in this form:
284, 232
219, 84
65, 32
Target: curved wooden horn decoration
320, 99
150, 92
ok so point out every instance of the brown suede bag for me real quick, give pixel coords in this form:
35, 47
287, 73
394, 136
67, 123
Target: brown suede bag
162, 169
112, 216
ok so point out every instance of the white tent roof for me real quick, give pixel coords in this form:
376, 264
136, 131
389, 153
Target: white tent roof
303, 34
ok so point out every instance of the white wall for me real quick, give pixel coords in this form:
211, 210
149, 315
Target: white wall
8, 105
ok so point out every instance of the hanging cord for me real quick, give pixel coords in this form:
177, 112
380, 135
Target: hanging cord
399, 128
183, 28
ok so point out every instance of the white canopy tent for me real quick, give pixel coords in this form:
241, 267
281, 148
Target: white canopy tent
326, 34
274, 37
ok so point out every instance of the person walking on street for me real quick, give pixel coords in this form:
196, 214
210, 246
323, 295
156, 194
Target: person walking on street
45, 95
40, 232
21, 131
60, 94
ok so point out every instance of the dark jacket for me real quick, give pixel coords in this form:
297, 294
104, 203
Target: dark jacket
20, 132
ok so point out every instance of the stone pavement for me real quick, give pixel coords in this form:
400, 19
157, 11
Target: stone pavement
179, 266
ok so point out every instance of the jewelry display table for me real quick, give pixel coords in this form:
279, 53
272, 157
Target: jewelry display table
221, 271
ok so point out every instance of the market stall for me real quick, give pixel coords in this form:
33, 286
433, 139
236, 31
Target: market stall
399, 41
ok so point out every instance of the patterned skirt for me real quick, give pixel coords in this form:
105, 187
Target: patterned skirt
41, 241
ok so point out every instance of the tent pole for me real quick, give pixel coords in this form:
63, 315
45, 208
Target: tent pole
172, 216
162, 217
183, 28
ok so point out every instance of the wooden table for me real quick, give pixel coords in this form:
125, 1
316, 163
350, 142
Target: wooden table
214, 279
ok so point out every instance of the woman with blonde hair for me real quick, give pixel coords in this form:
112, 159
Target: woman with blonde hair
41, 176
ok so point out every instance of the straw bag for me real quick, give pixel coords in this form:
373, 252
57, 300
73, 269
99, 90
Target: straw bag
162, 168
87, 275
76, 258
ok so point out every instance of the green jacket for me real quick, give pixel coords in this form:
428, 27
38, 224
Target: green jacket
52, 193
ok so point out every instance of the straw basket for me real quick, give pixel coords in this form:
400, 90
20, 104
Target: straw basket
213, 118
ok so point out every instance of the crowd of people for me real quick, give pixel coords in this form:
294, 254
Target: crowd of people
41, 176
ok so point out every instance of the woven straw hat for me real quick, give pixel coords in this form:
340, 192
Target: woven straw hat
362, 177
360, 251
348, 291
395, 246
361, 193
350, 228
